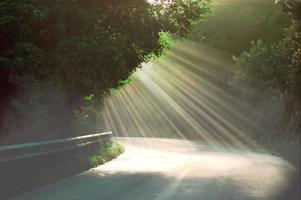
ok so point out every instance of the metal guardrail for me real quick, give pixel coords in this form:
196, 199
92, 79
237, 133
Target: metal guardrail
27, 150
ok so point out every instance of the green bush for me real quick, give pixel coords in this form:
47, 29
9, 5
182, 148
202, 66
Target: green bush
96, 160
262, 67
112, 150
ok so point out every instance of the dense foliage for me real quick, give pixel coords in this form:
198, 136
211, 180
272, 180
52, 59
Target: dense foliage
276, 67
233, 24
81, 48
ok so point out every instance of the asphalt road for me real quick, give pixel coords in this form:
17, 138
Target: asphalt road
168, 169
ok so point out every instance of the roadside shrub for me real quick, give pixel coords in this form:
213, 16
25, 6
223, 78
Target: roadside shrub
112, 150
96, 160
262, 67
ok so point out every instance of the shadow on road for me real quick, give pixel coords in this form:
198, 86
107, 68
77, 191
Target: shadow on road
182, 170
132, 186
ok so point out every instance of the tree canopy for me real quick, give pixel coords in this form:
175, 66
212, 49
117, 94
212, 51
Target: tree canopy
87, 46
83, 48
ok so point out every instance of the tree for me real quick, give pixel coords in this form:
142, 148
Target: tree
86, 47
277, 66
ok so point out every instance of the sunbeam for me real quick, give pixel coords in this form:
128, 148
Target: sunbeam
178, 96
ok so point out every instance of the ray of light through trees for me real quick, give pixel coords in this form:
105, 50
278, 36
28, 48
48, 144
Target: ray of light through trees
177, 96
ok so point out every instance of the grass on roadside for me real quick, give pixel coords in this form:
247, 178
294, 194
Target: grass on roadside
112, 150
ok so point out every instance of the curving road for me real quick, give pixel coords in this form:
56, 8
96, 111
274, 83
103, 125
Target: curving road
170, 169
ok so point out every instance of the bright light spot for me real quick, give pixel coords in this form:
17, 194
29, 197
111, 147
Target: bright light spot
257, 175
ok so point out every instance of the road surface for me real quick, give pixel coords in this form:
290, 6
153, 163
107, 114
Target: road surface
170, 169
